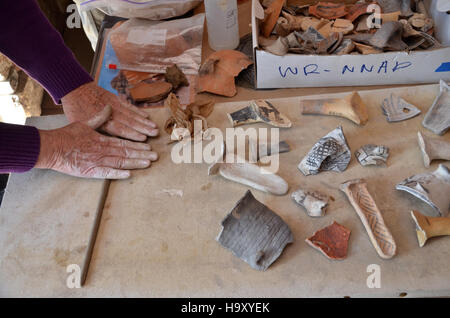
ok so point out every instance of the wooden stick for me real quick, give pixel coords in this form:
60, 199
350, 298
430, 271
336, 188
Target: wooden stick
94, 231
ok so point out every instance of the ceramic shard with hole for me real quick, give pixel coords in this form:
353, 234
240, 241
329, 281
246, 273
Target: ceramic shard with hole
438, 117
330, 153
249, 174
314, 202
432, 188
428, 227
351, 107
260, 150
254, 233
433, 148
370, 215
332, 241
372, 155
217, 73
259, 111
396, 108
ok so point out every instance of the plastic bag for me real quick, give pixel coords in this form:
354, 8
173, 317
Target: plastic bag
148, 9
148, 46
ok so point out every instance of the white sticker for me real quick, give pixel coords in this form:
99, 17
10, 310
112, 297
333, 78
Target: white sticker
145, 36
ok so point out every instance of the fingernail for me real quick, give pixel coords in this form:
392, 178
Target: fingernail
144, 163
124, 174
151, 124
154, 156
154, 132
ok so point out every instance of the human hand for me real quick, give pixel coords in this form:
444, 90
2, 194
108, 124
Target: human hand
127, 121
78, 150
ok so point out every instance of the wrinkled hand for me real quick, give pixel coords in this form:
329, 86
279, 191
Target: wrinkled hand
127, 121
79, 150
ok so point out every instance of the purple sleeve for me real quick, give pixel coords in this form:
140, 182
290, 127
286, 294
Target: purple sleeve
31, 42
19, 147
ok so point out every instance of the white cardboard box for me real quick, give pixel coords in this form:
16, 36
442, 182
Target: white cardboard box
295, 70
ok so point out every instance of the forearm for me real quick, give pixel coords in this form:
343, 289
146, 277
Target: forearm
31, 42
19, 148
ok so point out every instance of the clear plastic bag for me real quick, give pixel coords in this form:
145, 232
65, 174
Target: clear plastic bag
148, 46
148, 9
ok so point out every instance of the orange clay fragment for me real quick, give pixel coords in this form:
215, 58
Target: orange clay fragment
272, 14
135, 77
217, 73
328, 10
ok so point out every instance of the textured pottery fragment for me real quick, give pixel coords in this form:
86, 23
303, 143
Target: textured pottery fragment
150, 92
372, 155
330, 44
332, 241
432, 188
396, 108
351, 107
217, 73
370, 215
314, 202
437, 118
241, 171
330, 153
428, 227
389, 37
433, 149
260, 150
259, 111
389, 17
272, 13
328, 10
254, 233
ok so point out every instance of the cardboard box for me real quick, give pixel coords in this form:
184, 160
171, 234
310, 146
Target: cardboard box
295, 70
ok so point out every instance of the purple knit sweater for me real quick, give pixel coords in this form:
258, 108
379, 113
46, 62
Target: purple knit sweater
31, 42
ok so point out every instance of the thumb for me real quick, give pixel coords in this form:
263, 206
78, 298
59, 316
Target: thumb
100, 118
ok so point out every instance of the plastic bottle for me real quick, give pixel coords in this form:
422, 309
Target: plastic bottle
222, 21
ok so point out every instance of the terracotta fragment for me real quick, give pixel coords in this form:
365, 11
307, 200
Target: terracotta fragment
259, 111
418, 20
432, 188
293, 41
433, 149
328, 10
356, 10
342, 25
388, 17
437, 118
176, 77
396, 109
315, 203
249, 174
294, 22
330, 44
134, 77
254, 233
272, 13
308, 22
217, 73
428, 227
332, 241
150, 92
372, 155
351, 107
325, 29
330, 153
366, 49
370, 215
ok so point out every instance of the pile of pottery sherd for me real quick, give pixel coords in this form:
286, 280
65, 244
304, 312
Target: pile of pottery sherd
365, 27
